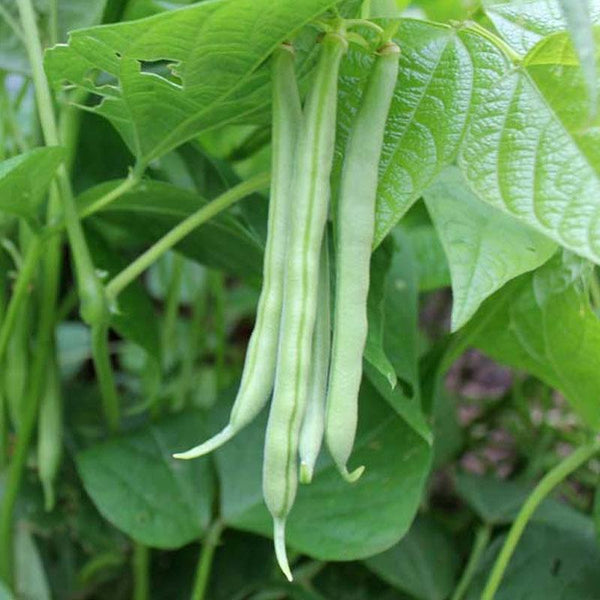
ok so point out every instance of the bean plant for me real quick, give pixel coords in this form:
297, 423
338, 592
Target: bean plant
299, 299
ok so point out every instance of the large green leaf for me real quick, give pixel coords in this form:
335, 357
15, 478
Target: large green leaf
25, 178
543, 323
485, 248
427, 116
554, 67
431, 261
153, 208
498, 502
164, 79
423, 564
524, 23
378, 282
550, 562
579, 19
332, 520
520, 156
139, 487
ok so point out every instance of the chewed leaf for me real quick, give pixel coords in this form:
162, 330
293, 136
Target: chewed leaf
163, 79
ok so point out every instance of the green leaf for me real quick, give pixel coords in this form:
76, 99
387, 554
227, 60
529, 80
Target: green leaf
432, 264
497, 502
330, 519
157, 93
485, 248
579, 19
554, 67
374, 350
136, 318
543, 323
518, 155
523, 24
427, 116
549, 562
424, 564
153, 208
30, 577
140, 488
25, 178
401, 343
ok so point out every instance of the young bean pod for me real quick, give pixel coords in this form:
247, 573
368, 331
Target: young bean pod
49, 447
311, 196
313, 425
355, 223
259, 368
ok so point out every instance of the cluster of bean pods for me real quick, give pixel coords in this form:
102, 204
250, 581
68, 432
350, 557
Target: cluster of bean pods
314, 377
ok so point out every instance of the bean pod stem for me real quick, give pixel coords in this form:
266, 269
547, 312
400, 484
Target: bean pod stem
355, 226
311, 197
259, 367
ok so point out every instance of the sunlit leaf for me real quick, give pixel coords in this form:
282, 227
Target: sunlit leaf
485, 248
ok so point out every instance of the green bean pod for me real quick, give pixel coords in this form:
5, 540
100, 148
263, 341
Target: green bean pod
313, 425
259, 368
50, 430
311, 197
355, 224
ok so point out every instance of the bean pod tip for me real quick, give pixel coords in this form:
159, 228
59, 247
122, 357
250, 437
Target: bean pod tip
306, 473
280, 552
352, 477
212, 444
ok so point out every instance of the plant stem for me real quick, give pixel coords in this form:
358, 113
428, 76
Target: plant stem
108, 389
543, 488
91, 291
207, 553
141, 572
53, 22
482, 538
127, 184
194, 349
16, 302
179, 232
171, 309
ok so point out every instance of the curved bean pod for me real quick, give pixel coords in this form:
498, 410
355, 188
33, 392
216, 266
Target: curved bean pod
355, 224
261, 356
313, 425
311, 197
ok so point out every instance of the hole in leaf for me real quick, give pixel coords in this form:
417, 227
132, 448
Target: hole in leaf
163, 68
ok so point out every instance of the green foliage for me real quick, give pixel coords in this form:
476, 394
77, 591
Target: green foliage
136, 485
489, 187
25, 178
485, 248
186, 88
